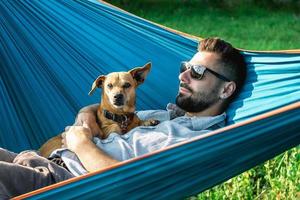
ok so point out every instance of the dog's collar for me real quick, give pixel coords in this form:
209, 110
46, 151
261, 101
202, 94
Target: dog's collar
122, 120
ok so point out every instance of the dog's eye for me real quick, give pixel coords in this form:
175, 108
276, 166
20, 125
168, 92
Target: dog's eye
127, 85
110, 85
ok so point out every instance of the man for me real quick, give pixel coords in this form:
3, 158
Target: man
208, 83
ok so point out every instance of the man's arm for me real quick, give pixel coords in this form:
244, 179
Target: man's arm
87, 115
79, 140
89, 109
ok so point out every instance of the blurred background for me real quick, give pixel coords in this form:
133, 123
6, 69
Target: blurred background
247, 24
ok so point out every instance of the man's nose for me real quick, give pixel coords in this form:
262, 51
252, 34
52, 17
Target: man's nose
184, 76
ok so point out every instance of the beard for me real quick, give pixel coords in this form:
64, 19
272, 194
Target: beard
197, 101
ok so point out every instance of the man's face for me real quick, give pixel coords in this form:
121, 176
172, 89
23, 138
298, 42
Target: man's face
196, 95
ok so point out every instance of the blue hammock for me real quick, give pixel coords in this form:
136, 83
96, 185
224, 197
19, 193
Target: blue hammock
50, 53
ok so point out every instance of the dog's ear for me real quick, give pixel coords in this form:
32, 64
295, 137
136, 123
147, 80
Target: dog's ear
139, 74
97, 84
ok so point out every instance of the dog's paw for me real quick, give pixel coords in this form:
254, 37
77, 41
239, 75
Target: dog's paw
151, 122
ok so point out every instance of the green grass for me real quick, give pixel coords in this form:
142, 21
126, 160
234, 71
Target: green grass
247, 25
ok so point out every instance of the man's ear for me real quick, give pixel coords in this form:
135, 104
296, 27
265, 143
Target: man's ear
228, 90
139, 74
97, 84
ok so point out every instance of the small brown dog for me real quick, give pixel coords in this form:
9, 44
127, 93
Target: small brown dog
116, 111
117, 107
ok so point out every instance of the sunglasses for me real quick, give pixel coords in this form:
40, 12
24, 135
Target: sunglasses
197, 71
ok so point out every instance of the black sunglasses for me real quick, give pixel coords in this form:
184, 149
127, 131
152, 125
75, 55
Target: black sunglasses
197, 71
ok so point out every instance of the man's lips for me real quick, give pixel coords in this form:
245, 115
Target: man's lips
184, 90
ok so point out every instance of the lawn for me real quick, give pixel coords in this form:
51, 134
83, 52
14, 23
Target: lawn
248, 24
245, 26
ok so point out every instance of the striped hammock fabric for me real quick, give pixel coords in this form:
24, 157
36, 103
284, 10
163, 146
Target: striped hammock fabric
50, 53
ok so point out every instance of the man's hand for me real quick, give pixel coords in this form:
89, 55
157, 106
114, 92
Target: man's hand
88, 116
79, 140
76, 137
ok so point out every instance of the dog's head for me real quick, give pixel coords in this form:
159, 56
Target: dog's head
118, 88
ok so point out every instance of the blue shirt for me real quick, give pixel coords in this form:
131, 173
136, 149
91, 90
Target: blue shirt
141, 140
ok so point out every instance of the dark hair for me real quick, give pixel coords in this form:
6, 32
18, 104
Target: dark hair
233, 62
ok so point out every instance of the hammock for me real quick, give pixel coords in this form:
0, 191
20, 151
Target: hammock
51, 51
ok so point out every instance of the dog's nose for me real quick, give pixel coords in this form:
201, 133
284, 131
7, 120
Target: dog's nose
119, 96
119, 99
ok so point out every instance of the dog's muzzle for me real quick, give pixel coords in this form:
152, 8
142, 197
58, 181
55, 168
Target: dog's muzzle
119, 100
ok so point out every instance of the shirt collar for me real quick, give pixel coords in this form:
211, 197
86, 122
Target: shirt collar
205, 122
198, 123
